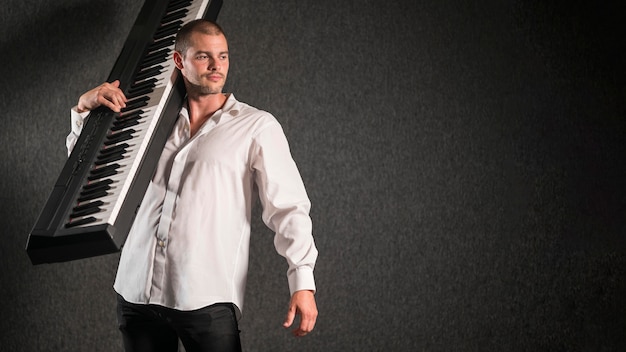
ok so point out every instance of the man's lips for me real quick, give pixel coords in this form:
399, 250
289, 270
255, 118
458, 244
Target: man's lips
214, 77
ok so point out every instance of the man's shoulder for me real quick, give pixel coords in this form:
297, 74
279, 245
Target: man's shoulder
251, 114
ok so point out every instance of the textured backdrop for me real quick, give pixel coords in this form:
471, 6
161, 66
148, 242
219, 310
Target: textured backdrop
465, 164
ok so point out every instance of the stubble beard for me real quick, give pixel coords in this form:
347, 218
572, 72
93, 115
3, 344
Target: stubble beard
204, 89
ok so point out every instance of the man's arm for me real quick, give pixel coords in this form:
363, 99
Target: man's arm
286, 211
107, 94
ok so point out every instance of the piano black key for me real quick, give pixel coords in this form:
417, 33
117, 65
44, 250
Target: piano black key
87, 211
136, 104
136, 115
119, 137
107, 152
123, 123
143, 89
174, 5
97, 184
103, 172
169, 29
161, 54
83, 221
113, 150
91, 192
91, 196
95, 204
129, 115
120, 125
155, 57
139, 85
109, 159
151, 72
122, 120
102, 186
175, 15
138, 93
161, 43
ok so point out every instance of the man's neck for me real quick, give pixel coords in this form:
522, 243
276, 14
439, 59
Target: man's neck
204, 106
201, 108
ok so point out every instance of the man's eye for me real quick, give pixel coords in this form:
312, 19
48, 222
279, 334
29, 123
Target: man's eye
201, 57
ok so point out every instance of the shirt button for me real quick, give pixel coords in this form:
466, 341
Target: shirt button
161, 243
79, 123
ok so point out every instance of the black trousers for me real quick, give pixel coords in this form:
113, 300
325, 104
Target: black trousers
152, 328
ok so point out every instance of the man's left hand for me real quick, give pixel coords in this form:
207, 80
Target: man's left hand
302, 303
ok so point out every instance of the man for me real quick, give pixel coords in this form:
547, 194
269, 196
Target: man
183, 267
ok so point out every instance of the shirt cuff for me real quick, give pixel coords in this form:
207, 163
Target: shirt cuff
78, 119
301, 279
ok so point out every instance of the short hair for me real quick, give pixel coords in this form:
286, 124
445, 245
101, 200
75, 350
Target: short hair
183, 37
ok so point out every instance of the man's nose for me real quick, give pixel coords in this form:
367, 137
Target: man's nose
213, 65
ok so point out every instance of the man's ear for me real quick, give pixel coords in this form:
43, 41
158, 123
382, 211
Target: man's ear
178, 60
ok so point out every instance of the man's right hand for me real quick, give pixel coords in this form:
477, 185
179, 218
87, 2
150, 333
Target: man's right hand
107, 94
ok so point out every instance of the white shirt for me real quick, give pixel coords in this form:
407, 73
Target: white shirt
188, 247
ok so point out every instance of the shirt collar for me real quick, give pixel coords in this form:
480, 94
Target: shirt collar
229, 110
232, 107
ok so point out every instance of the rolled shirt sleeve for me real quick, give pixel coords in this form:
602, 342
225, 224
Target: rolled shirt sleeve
77, 121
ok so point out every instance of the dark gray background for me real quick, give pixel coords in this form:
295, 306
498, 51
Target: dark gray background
465, 164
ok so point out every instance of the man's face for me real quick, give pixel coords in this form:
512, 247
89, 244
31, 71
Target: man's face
205, 64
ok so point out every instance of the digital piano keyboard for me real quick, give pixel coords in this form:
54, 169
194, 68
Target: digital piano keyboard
94, 201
